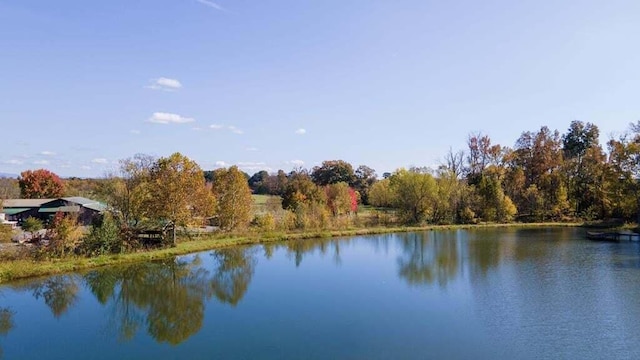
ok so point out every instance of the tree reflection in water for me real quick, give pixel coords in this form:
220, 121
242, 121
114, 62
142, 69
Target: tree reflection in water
168, 298
6, 324
428, 257
59, 292
234, 270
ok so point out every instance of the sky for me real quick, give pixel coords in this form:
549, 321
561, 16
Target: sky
280, 84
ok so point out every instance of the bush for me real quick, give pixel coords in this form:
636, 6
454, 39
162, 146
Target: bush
104, 237
65, 235
265, 222
5, 233
32, 224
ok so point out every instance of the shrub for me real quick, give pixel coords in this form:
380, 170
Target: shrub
64, 236
265, 222
104, 237
32, 224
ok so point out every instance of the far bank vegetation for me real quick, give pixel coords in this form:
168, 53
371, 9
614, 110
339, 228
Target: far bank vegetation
544, 177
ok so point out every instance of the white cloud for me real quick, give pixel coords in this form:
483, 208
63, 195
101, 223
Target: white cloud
251, 149
100, 161
249, 163
235, 130
301, 131
211, 4
296, 162
221, 163
231, 128
169, 118
13, 162
41, 162
165, 84
135, 132
47, 153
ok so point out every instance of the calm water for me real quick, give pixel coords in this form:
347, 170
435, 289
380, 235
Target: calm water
488, 294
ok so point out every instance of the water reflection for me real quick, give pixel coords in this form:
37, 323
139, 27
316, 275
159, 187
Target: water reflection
167, 299
428, 257
6, 324
234, 270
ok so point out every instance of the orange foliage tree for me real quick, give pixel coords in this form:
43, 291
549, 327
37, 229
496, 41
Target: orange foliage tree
40, 184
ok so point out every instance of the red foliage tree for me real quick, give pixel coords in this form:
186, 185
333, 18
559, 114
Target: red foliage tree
40, 184
353, 195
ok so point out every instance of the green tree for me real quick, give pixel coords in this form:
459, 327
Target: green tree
414, 194
365, 177
233, 198
128, 192
32, 224
40, 184
381, 195
332, 172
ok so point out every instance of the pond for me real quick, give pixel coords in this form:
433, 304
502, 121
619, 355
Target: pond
465, 294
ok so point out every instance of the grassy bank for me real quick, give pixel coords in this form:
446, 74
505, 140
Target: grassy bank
20, 269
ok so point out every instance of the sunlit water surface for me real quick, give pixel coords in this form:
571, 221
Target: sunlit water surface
467, 294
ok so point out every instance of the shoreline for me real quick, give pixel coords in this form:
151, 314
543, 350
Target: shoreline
12, 270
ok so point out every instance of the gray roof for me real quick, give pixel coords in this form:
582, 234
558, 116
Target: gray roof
96, 206
24, 203
79, 200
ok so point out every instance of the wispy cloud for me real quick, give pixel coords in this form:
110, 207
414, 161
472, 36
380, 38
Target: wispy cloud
254, 166
211, 4
296, 162
235, 130
220, 163
301, 131
231, 128
169, 118
164, 84
47, 153
100, 161
13, 162
41, 162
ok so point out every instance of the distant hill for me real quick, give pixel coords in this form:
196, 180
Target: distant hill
7, 175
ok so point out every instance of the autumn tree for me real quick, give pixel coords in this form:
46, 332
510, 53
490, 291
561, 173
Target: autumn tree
332, 172
177, 191
9, 188
40, 184
586, 169
301, 190
380, 194
128, 192
339, 198
414, 194
233, 198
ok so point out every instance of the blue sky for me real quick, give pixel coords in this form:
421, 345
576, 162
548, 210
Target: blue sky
277, 84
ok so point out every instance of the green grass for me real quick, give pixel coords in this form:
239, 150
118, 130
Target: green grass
260, 203
19, 269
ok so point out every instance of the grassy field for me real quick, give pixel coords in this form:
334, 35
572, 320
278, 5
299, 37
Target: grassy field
19, 269
260, 203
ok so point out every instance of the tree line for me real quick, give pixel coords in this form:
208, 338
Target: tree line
545, 176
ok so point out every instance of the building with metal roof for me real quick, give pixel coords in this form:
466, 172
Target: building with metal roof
45, 209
